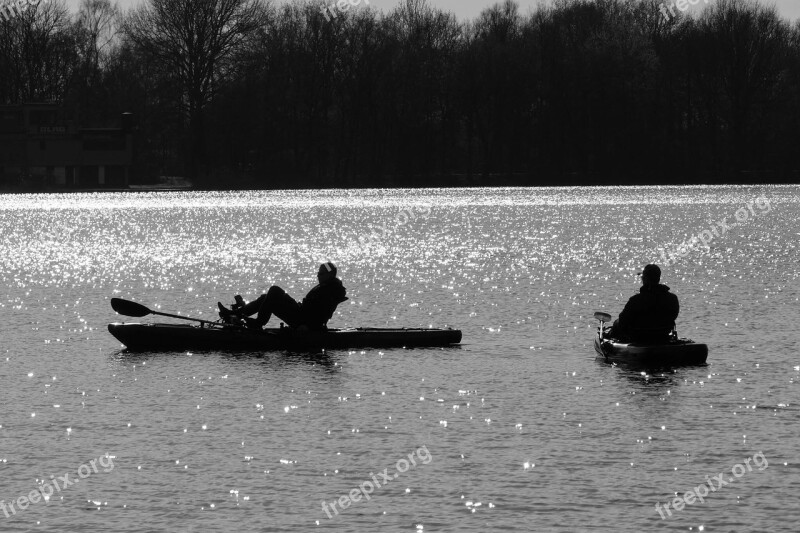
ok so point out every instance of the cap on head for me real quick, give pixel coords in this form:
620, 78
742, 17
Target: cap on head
651, 274
328, 267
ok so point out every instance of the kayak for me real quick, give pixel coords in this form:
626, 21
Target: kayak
675, 352
178, 337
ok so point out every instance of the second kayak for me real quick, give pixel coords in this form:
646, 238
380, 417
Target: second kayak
671, 351
680, 352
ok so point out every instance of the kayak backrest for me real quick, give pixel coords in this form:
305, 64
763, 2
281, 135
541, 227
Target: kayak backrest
650, 335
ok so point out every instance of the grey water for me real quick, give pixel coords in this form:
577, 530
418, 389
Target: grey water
519, 429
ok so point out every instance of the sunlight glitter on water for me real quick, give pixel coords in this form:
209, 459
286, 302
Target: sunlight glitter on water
513, 268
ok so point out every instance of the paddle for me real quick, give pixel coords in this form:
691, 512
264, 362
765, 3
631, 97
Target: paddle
603, 318
128, 308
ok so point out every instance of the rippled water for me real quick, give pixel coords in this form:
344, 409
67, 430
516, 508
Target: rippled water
519, 429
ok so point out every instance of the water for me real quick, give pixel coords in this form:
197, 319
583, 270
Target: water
519, 429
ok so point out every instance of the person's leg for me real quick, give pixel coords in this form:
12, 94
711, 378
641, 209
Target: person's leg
251, 308
277, 302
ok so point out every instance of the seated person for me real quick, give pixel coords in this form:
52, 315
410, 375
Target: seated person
314, 312
650, 315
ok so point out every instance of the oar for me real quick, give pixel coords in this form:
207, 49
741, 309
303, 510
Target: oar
128, 308
603, 318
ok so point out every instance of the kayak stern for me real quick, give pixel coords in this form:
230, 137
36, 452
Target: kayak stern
682, 352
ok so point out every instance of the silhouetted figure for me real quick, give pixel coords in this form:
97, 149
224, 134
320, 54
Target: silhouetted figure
650, 315
314, 312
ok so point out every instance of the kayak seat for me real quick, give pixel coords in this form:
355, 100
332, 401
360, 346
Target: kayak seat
651, 335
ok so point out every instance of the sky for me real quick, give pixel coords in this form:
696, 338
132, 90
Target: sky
469, 9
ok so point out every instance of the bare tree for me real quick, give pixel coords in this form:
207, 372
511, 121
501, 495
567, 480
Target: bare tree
99, 19
196, 40
745, 59
37, 54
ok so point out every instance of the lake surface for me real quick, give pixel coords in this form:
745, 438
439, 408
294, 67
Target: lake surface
519, 429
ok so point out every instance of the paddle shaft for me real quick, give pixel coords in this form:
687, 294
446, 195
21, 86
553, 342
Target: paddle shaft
603, 318
180, 317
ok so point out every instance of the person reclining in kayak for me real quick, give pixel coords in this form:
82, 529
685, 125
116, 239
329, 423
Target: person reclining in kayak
314, 312
650, 315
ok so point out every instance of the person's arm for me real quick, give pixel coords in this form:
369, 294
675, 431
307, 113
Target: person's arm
676, 308
320, 304
628, 312
336, 296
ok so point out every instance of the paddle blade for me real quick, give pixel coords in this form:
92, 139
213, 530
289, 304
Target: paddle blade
128, 308
603, 317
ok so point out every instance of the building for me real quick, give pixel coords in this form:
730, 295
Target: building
43, 146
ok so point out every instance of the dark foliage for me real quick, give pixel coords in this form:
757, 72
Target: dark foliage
244, 93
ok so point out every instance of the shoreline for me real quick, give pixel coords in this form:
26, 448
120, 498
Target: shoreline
398, 187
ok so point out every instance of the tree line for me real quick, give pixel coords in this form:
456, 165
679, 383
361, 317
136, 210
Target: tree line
273, 95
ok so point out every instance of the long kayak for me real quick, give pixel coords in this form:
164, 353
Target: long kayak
676, 352
177, 337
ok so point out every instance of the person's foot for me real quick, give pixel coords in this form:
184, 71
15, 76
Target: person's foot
224, 312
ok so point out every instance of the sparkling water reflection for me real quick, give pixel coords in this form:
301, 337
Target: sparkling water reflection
527, 431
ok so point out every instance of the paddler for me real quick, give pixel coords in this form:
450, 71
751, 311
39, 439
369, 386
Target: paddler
650, 315
314, 312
